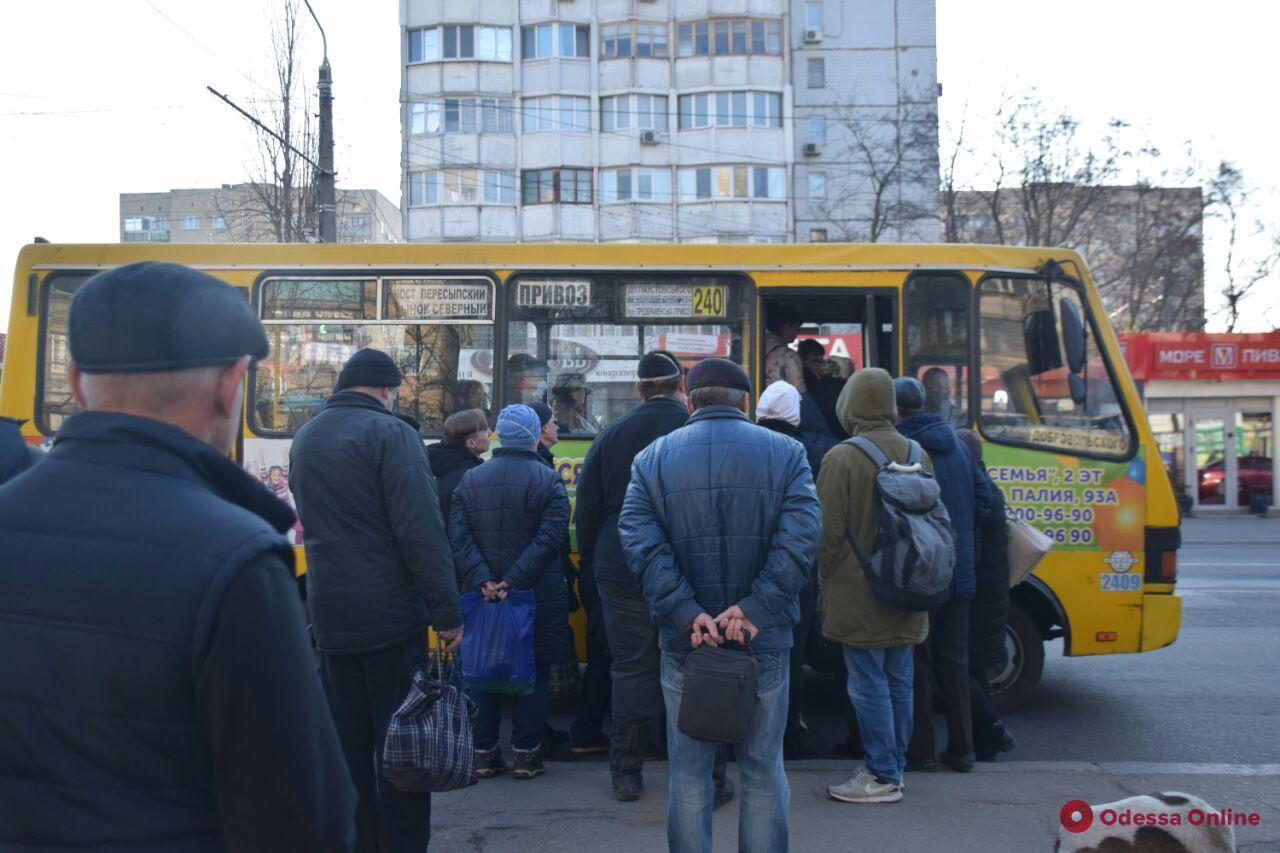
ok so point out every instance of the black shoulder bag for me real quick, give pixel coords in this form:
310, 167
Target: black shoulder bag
719, 699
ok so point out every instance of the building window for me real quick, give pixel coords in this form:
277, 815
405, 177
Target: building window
745, 182
817, 235
730, 109
461, 186
633, 38
556, 186
358, 226
730, 36
556, 112
813, 16
817, 73
619, 112
219, 223
622, 185
189, 223
460, 42
817, 186
460, 115
817, 130
547, 40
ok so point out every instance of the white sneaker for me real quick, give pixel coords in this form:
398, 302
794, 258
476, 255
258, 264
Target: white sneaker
865, 788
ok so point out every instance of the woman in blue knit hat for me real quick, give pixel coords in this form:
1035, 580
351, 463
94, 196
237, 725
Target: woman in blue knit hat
508, 521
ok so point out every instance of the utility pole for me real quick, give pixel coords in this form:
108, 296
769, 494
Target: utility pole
326, 192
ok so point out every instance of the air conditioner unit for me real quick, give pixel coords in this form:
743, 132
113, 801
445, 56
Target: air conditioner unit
812, 149
812, 36
650, 137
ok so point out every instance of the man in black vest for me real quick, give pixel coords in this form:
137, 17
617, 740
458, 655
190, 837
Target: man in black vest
637, 706
157, 687
379, 571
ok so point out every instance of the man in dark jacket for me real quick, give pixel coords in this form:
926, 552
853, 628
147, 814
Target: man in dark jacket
822, 389
944, 657
157, 686
465, 438
988, 615
779, 410
720, 526
16, 455
631, 634
508, 524
379, 572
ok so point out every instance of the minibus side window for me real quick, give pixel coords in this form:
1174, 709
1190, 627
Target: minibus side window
1043, 380
937, 344
438, 330
56, 403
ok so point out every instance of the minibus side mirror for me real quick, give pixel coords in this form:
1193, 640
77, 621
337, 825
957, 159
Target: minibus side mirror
1073, 335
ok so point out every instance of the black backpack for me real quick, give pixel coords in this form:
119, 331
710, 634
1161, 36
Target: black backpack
914, 553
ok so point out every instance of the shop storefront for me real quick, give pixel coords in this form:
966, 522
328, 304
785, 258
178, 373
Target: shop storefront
1213, 402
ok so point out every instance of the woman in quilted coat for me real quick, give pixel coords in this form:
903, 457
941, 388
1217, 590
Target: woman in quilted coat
508, 521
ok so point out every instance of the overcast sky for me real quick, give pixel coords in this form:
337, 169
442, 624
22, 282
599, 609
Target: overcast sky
102, 98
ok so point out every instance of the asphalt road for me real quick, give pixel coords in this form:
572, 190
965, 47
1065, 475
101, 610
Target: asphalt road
1213, 696
1202, 716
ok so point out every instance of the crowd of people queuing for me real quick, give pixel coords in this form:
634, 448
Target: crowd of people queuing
160, 686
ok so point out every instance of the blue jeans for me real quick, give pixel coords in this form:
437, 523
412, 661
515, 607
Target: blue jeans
880, 689
764, 796
528, 715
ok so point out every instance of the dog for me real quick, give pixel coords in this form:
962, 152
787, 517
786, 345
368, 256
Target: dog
1168, 822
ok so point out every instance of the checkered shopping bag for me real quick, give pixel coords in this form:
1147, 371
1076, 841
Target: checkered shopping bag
429, 745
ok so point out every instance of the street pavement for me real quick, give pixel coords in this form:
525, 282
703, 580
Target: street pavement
1202, 716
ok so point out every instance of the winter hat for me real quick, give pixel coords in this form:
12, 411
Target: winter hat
369, 368
717, 372
909, 394
154, 316
542, 410
658, 364
518, 427
780, 401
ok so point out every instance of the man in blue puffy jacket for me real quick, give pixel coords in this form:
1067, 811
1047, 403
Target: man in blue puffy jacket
944, 657
720, 525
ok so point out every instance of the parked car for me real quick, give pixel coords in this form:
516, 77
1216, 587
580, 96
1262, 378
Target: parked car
1253, 476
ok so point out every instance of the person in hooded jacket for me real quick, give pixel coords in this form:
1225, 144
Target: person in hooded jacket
508, 525
16, 455
876, 638
944, 660
779, 410
988, 615
465, 437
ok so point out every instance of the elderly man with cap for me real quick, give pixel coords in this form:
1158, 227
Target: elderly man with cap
720, 526
623, 618
508, 524
157, 685
379, 571
943, 660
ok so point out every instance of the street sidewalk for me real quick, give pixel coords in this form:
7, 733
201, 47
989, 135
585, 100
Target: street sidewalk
1207, 529
1007, 806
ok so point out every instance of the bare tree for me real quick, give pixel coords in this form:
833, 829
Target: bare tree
1049, 181
879, 159
278, 204
1232, 199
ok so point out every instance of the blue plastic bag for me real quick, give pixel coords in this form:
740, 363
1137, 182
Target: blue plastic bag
497, 643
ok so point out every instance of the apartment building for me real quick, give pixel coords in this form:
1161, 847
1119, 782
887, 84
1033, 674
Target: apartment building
697, 120
249, 213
